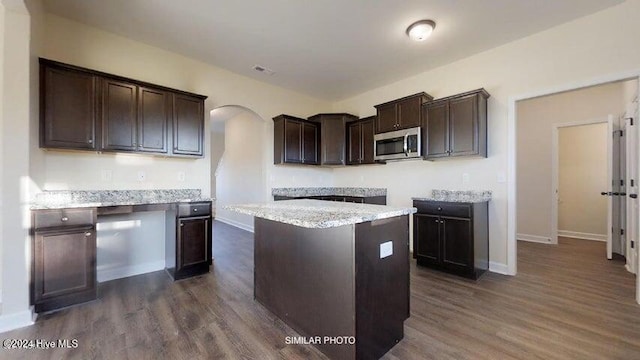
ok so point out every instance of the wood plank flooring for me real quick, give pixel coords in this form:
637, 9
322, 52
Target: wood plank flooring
567, 302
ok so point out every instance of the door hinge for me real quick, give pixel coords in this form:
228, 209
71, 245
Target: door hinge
632, 182
621, 182
621, 133
630, 121
621, 231
633, 244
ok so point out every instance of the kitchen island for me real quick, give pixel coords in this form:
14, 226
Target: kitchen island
337, 273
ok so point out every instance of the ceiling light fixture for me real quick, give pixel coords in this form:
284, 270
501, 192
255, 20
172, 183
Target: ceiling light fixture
420, 30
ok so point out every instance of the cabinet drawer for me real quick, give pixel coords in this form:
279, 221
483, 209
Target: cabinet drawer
443, 208
63, 217
194, 209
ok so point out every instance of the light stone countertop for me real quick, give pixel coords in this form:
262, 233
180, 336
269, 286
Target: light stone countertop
61, 199
461, 196
329, 191
320, 214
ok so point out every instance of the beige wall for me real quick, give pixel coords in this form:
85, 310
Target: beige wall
573, 53
582, 175
15, 163
217, 149
536, 118
2, 17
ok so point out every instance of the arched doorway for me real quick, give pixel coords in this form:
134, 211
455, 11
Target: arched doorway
238, 173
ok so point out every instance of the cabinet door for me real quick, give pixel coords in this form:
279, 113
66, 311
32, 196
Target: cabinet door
463, 126
119, 115
193, 242
64, 265
309, 143
457, 240
435, 136
333, 140
367, 142
292, 141
354, 152
409, 112
387, 118
68, 114
427, 238
188, 125
153, 118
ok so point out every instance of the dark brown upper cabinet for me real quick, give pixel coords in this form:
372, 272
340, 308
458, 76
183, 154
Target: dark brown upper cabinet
455, 126
332, 137
153, 120
295, 141
401, 113
90, 110
119, 115
188, 125
360, 149
68, 109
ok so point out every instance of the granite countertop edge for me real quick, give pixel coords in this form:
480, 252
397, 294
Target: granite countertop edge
45, 206
318, 219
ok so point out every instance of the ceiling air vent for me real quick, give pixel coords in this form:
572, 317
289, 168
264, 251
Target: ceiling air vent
263, 69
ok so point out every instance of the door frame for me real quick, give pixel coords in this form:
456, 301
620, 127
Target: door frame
512, 119
555, 169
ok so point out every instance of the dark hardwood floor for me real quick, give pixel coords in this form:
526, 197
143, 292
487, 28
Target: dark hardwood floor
567, 302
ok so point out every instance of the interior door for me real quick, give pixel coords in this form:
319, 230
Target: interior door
618, 198
610, 162
631, 190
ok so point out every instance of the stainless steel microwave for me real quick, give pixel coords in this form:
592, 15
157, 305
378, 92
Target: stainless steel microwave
398, 145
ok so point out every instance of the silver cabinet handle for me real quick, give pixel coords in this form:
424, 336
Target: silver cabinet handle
87, 234
65, 219
90, 141
437, 221
439, 209
195, 210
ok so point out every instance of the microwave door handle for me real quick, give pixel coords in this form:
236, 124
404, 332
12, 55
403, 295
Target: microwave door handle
406, 144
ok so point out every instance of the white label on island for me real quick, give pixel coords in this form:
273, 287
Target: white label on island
386, 249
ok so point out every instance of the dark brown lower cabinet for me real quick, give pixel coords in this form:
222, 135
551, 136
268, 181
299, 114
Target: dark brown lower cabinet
63, 268
193, 240
64, 261
453, 237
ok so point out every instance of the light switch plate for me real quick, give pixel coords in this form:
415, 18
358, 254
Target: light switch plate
181, 175
465, 178
141, 176
386, 249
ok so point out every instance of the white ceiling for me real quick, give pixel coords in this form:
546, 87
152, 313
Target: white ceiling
331, 49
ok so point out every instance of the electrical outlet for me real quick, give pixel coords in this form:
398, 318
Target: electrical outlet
386, 249
465, 178
141, 176
181, 175
106, 175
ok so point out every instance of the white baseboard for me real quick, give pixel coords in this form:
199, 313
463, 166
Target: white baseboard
237, 224
126, 271
15, 321
498, 268
581, 235
533, 238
